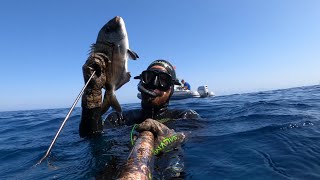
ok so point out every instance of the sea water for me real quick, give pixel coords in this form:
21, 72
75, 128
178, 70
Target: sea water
265, 135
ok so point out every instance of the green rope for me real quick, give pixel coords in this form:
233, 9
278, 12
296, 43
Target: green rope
134, 126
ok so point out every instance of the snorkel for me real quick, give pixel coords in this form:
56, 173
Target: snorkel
146, 91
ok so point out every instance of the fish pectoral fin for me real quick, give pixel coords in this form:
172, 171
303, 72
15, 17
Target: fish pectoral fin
110, 99
133, 55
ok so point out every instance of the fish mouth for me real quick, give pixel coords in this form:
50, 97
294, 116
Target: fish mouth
115, 30
115, 23
118, 19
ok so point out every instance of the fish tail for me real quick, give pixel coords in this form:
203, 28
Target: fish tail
110, 100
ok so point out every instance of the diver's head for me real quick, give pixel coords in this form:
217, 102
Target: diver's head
157, 84
182, 81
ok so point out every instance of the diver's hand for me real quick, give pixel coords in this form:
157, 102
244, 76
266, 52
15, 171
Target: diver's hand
165, 139
95, 63
115, 119
95, 67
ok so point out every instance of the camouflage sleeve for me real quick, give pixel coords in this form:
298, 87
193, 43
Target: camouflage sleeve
92, 96
91, 122
189, 114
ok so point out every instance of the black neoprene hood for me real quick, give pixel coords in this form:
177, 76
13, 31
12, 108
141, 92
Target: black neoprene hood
168, 66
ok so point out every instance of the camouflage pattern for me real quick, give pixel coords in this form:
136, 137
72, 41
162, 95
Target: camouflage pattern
139, 164
154, 138
92, 96
165, 139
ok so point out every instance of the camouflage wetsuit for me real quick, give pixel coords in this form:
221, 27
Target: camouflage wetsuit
139, 115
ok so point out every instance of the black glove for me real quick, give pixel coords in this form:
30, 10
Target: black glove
114, 119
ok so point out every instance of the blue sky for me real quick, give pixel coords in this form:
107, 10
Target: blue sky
232, 46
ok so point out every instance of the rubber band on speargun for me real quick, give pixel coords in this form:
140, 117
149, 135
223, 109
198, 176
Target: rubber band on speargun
131, 134
144, 90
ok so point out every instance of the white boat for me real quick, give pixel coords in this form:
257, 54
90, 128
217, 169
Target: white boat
204, 91
180, 93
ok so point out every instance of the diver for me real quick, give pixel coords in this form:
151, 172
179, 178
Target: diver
156, 86
186, 85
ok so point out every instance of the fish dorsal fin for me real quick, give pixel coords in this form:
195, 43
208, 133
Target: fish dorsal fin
133, 55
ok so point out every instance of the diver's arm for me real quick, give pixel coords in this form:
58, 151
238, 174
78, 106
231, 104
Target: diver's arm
91, 122
185, 114
126, 118
166, 139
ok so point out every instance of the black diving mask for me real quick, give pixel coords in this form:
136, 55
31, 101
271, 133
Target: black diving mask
153, 79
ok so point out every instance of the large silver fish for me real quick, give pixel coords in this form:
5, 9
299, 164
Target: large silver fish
114, 35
